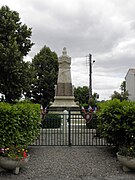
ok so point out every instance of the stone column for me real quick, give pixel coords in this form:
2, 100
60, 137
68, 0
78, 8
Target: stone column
64, 82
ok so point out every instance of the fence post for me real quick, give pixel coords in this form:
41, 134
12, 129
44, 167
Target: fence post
69, 128
65, 122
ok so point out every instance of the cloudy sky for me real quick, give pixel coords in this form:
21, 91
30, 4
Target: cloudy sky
103, 28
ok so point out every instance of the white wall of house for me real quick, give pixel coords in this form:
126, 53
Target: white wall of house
130, 83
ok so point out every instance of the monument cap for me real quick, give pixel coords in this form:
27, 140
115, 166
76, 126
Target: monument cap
64, 52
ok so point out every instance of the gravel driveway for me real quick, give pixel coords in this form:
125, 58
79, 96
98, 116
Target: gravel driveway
72, 163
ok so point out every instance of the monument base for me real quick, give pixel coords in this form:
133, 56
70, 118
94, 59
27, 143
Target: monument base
64, 102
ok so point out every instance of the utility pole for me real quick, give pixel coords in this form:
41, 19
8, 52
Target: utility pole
90, 76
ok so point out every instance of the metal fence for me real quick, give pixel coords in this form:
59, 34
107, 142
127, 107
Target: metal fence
69, 128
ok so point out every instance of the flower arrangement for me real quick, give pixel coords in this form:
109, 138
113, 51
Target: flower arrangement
128, 151
128, 148
14, 152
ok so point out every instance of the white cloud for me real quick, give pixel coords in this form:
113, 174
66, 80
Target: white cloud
103, 28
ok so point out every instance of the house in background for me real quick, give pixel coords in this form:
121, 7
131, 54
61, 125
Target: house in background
130, 83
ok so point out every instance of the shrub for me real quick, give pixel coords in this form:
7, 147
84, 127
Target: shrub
19, 123
116, 122
52, 121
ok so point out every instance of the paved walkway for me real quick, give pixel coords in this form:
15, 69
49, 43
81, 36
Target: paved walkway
70, 163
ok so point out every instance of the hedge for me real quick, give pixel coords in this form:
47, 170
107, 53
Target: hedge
19, 123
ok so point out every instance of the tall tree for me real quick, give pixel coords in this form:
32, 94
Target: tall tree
81, 94
123, 95
45, 64
123, 86
15, 43
116, 95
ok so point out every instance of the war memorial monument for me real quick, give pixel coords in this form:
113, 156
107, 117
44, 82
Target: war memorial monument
64, 91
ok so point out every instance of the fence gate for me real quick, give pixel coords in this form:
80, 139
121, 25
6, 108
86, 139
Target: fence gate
69, 128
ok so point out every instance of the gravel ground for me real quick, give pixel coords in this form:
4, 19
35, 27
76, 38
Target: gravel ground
70, 163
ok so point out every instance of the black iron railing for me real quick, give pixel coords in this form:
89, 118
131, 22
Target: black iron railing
69, 128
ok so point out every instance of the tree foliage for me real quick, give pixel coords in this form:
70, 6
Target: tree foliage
45, 65
123, 95
123, 86
14, 44
82, 94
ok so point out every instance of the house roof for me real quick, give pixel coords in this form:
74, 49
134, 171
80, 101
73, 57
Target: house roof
131, 70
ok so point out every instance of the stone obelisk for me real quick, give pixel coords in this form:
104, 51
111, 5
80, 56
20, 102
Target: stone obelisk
64, 95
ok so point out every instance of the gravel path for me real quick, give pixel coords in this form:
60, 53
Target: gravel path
70, 163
